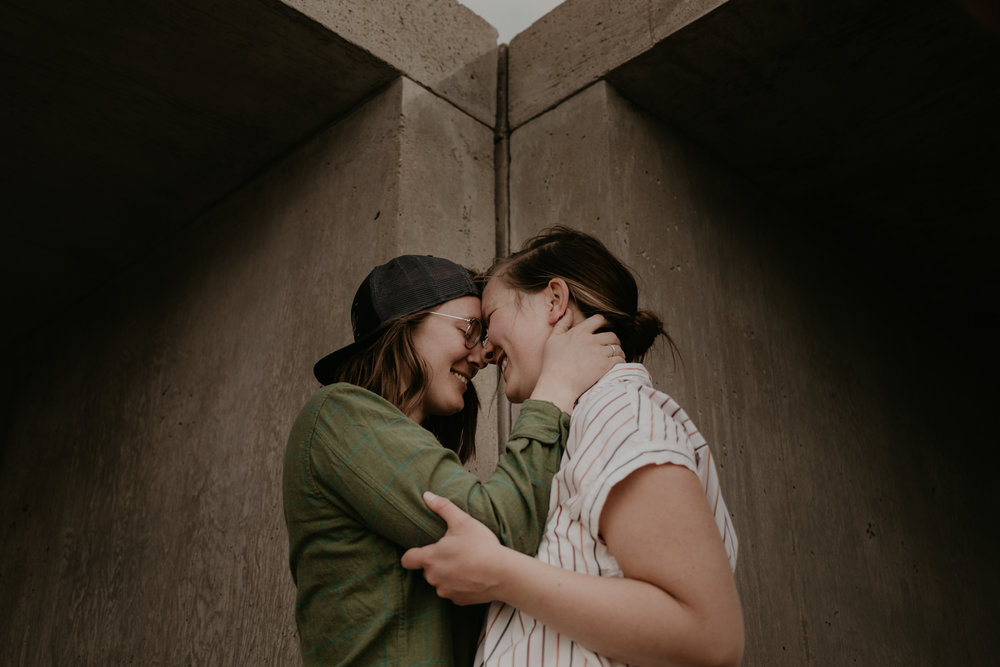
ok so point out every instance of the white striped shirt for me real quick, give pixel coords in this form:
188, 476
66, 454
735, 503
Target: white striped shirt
619, 425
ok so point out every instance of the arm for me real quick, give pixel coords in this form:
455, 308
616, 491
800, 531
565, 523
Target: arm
362, 463
677, 605
356, 452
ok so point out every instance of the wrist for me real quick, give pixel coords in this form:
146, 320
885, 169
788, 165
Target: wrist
555, 394
505, 573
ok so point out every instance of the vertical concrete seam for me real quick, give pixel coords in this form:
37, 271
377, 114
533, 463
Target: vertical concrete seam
501, 158
501, 204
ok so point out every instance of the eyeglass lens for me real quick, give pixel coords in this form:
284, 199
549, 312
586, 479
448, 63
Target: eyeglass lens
473, 333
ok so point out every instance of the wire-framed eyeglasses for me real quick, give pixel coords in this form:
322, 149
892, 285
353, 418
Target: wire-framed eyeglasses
475, 332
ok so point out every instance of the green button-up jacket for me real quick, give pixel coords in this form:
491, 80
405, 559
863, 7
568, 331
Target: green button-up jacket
354, 472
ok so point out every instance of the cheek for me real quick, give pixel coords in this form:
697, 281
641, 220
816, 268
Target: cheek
522, 336
528, 353
531, 364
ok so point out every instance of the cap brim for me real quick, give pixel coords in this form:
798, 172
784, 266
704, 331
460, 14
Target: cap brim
327, 369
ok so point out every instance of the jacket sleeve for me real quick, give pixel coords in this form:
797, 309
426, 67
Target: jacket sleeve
359, 452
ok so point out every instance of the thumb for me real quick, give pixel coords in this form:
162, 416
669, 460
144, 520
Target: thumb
413, 559
445, 509
564, 324
593, 323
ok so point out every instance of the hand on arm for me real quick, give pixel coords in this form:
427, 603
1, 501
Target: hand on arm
461, 565
355, 443
677, 605
575, 358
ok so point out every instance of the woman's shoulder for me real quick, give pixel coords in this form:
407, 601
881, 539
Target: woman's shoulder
350, 399
337, 413
342, 391
628, 389
620, 383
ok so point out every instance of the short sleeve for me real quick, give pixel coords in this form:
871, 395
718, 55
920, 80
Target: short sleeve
628, 433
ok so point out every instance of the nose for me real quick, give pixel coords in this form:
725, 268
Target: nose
477, 357
489, 351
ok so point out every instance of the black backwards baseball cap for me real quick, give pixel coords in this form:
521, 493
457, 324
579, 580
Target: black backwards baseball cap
401, 286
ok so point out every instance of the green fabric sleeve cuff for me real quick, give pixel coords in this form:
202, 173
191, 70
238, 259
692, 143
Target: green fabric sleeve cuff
540, 421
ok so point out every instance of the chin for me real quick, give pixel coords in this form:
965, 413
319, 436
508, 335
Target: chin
459, 405
451, 411
513, 395
446, 408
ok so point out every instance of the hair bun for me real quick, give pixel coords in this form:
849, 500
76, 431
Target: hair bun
641, 334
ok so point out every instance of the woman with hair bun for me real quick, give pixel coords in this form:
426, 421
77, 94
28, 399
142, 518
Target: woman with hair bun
635, 564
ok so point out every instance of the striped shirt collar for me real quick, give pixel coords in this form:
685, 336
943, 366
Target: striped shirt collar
625, 373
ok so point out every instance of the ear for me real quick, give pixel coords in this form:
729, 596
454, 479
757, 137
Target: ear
556, 299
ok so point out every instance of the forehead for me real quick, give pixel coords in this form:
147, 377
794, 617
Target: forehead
465, 306
496, 293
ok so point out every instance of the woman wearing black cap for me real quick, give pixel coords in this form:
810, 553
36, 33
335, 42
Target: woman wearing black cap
369, 443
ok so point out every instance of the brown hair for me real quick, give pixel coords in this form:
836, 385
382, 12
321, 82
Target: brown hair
391, 367
598, 283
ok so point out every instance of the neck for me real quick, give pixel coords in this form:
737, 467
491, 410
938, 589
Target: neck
577, 315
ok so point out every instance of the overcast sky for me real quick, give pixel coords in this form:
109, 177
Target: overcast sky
510, 17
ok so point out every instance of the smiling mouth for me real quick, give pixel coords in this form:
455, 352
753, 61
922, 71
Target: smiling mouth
464, 379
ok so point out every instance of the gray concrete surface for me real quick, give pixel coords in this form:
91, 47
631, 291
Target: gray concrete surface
881, 110
125, 122
221, 172
440, 44
142, 452
446, 209
581, 41
857, 524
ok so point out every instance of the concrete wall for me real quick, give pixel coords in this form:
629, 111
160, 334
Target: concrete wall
141, 491
855, 523
581, 41
440, 44
144, 429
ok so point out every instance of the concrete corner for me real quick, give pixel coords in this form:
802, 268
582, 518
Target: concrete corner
441, 44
